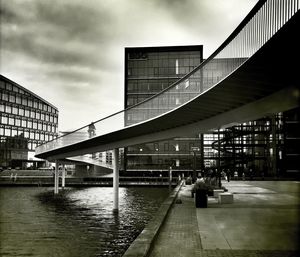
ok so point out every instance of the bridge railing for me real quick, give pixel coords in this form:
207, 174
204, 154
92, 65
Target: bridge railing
262, 22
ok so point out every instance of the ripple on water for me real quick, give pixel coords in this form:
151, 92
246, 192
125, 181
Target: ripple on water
78, 222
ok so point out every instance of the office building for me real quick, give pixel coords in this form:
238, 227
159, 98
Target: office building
26, 120
149, 70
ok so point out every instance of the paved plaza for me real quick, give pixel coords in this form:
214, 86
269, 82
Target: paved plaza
262, 221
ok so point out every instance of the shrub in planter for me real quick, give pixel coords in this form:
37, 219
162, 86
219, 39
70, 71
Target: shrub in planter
188, 181
200, 189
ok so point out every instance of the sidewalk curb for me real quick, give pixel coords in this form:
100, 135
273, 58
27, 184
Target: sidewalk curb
142, 245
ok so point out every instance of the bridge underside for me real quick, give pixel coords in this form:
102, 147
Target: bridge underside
266, 83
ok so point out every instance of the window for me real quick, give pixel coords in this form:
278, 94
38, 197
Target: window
24, 123
12, 98
8, 86
7, 132
8, 109
11, 121
14, 132
176, 66
4, 120
18, 100
27, 113
24, 101
15, 110
21, 112
18, 122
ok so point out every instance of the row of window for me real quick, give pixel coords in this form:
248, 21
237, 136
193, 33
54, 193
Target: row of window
172, 145
29, 146
37, 125
161, 104
162, 55
159, 71
15, 98
147, 85
32, 135
9, 87
30, 113
168, 62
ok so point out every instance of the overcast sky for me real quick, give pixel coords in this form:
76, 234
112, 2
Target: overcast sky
71, 52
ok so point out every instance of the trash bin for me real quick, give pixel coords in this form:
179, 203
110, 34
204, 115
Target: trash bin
201, 198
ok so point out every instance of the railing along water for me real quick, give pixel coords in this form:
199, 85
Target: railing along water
263, 21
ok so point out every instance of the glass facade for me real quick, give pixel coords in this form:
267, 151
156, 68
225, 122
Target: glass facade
267, 147
26, 120
148, 71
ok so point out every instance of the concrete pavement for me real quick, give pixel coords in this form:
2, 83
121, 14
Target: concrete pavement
262, 221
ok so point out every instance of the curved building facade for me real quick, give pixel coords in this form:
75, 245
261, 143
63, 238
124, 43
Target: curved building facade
26, 120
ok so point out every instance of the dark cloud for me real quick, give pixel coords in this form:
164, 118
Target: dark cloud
71, 52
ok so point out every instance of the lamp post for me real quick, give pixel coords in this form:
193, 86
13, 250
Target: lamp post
194, 149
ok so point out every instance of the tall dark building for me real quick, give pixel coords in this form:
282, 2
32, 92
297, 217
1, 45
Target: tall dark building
26, 120
149, 70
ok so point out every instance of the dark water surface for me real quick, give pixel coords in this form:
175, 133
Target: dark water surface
80, 222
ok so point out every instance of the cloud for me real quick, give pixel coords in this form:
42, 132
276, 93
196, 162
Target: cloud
71, 52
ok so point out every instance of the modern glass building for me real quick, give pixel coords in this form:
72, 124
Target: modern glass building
264, 147
26, 120
149, 70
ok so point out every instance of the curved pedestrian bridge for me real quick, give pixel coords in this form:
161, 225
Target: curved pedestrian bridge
250, 75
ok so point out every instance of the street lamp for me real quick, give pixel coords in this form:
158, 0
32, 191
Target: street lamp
194, 149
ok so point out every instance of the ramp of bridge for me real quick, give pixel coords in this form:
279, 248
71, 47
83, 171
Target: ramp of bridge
250, 75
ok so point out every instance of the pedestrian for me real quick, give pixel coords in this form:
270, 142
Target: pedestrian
235, 175
243, 175
11, 176
228, 175
16, 177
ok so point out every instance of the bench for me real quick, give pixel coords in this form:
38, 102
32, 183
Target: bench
225, 198
217, 192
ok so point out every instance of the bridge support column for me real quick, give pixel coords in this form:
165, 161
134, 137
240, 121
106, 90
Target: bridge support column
116, 179
56, 178
63, 177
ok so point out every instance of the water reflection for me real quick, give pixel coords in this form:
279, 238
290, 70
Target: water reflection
79, 222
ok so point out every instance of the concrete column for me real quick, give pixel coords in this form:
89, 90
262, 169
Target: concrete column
56, 178
116, 178
63, 177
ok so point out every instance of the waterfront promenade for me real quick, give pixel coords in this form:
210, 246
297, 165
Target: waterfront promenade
262, 221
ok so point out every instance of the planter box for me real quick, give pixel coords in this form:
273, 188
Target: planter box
225, 198
217, 192
201, 198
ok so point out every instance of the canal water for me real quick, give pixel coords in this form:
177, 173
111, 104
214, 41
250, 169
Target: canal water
80, 222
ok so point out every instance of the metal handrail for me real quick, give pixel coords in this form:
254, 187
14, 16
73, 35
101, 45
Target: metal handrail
244, 41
